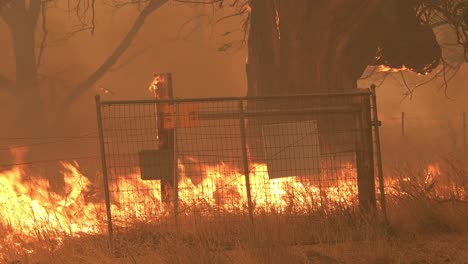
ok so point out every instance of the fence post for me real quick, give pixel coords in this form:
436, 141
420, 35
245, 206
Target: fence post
464, 131
403, 127
365, 157
245, 159
104, 172
176, 164
164, 91
376, 122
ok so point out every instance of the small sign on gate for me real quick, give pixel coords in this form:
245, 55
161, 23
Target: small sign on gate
188, 116
292, 149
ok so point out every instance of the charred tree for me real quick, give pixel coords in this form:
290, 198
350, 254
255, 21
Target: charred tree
36, 117
303, 47
325, 46
22, 21
263, 48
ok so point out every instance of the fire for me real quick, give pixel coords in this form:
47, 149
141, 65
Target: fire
223, 187
248, 8
32, 210
153, 88
432, 171
384, 68
430, 182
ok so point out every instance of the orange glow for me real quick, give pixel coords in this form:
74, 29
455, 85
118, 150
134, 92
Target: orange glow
153, 88
31, 209
383, 68
432, 171
248, 8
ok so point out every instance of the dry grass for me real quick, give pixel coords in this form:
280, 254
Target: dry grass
428, 224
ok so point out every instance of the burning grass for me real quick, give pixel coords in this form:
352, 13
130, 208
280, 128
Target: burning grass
427, 205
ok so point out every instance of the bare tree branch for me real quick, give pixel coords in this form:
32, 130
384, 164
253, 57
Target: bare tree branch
410, 91
114, 57
12, 8
139, 53
3, 3
35, 10
93, 16
45, 33
207, 2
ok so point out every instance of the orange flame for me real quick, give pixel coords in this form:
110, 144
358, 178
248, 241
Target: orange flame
383, 68
30, 208
153, 88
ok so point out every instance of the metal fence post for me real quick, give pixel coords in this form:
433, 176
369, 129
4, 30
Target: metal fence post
403, 127
377, 123
365, 165
165, 135
104, 171
464, 131
176, 164
245, 159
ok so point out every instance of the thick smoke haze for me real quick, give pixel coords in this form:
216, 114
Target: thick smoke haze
184, 40
181, 39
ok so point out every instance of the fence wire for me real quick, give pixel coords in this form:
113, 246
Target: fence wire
189, 158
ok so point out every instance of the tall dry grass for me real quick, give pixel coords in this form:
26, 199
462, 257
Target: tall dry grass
428, 223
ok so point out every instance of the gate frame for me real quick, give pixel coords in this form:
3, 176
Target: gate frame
375, 124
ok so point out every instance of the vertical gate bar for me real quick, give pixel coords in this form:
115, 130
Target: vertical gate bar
245, 159
464, 131
104, 171
176, 165
365, 157
165, 135
378, 153
403, 127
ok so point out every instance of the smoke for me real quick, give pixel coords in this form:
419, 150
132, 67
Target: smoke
170, 41
185, 41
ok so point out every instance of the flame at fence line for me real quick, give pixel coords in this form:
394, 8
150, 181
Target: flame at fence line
383, 68
30, 209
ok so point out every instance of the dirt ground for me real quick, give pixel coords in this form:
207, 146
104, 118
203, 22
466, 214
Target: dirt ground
447, 248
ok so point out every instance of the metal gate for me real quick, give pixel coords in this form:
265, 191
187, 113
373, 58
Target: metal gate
182, 160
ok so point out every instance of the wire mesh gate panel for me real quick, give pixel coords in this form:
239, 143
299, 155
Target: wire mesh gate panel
183, 159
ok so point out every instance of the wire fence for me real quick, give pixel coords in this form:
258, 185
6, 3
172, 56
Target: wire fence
409, 132
48, 149
186, 159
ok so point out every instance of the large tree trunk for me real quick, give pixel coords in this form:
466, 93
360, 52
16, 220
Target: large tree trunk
262, 66
326, 45
263, 49
31, 119
323, 47
26, 70
21, 17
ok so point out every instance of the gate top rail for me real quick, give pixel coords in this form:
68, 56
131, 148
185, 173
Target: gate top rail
363, 92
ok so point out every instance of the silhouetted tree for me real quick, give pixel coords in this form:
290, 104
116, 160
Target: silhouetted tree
22, 18
316, 46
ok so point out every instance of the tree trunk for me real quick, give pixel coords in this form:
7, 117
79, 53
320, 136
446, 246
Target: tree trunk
263, 49
326, 45
262, 67
26, 70
323, 47
21, 18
